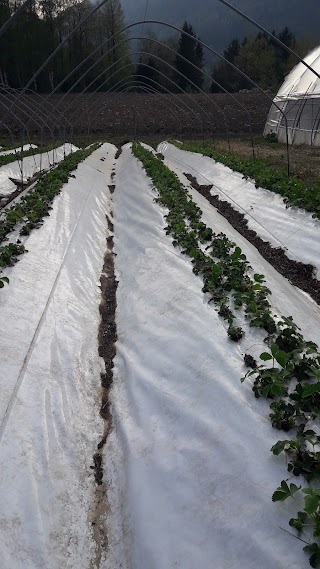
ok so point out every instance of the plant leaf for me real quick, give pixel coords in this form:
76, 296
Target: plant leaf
311, 503
310, 389
279, 447
265, 357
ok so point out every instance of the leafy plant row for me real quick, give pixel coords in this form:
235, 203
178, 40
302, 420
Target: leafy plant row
12, 157
294, 190
289, 375
30, 212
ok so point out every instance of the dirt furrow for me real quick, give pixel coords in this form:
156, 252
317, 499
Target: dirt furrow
107, 339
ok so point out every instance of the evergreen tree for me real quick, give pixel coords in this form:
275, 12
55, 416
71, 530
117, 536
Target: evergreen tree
163, 50
148, 69
260, 57
233, 50
190, 49
224, 74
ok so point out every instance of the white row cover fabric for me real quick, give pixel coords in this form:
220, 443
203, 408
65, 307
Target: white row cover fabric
297, 105
50, 379
188, 463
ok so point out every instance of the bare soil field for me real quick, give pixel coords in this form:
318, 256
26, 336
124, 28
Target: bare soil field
143, 114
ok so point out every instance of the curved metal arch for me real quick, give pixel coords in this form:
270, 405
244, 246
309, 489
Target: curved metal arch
171, 26
152, 91
20, 154
204, 74
61, 121
149, 67
125, 40
114, 63
144, 87
134, 108
160, 73
176, 28
59, 125
23, 103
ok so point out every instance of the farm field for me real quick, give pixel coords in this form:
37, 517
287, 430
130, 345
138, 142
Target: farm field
146, 341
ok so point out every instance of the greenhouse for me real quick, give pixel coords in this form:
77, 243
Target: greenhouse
297, 105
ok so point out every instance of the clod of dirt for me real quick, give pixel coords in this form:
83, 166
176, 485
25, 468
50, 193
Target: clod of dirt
110, 224
119, 151
250, 361
97, 467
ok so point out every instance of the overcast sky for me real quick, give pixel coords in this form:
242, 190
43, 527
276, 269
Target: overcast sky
217, 25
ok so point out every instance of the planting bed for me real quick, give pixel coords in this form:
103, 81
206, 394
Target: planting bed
31, 165
13, 151
130, 436
291, 229
50, 371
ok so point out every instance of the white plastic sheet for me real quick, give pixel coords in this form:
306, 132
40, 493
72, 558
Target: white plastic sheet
188, 463
299, 100
50, 379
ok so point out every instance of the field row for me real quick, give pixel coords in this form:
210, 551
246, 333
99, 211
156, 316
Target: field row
185, 477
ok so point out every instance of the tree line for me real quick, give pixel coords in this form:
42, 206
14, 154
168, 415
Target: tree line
174, 63
43, 25
260, 57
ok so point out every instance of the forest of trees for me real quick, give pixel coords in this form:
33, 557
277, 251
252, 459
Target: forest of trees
259, 57
42, 27
159, 64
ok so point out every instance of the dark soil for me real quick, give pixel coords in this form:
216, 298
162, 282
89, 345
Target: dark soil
137, 114
297, 273
119, 151
107, 339
107, 350
97, 467
250, 361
